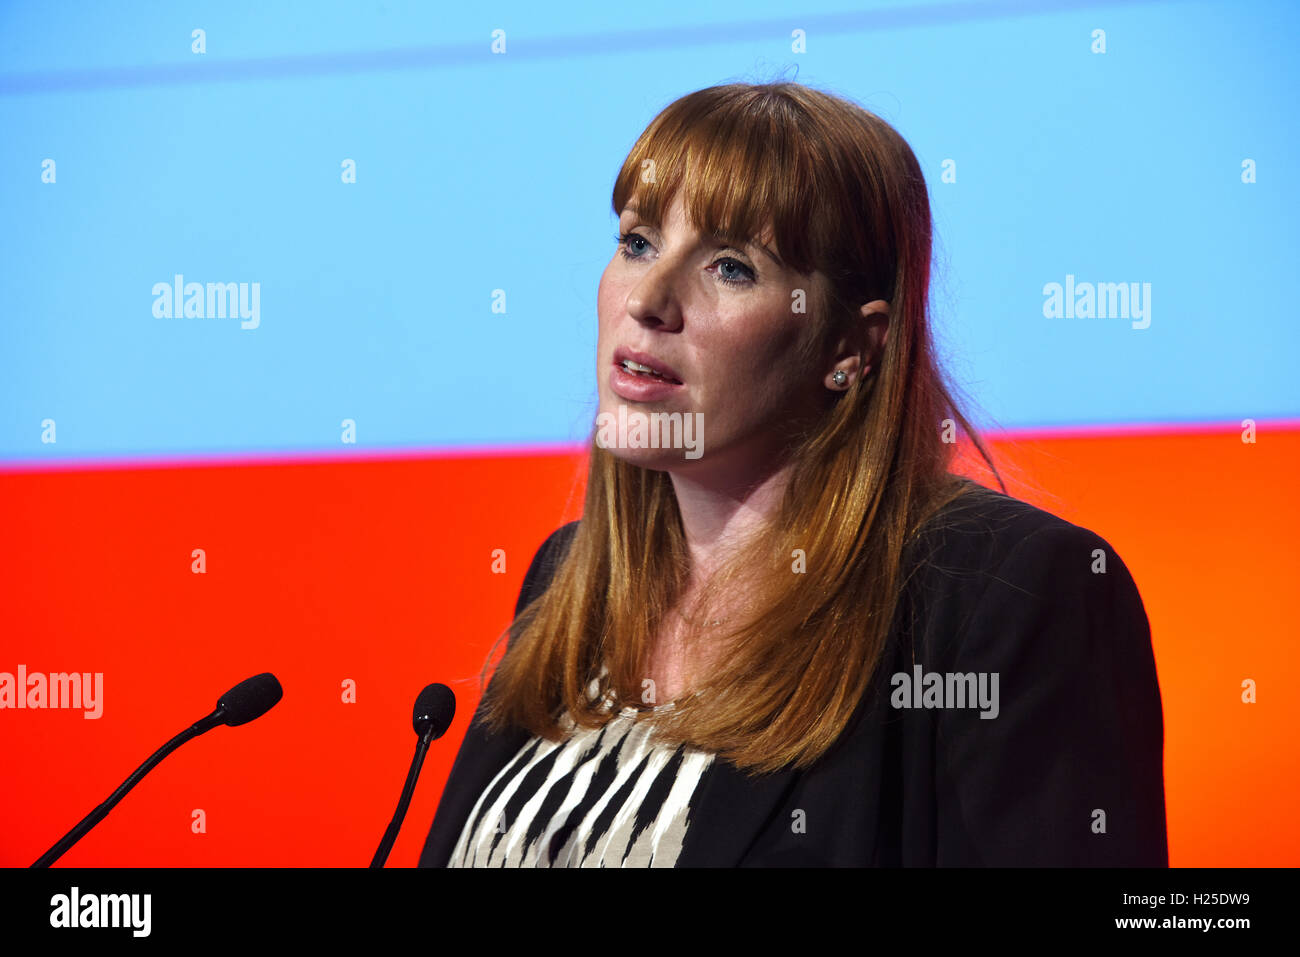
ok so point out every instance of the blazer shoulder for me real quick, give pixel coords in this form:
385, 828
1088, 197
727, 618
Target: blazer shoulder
544, 564
976, 534
985, 543
985, 522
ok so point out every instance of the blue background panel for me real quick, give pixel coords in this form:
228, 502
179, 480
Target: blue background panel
478, 172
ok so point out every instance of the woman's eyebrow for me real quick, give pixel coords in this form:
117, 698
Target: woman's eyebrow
722, 237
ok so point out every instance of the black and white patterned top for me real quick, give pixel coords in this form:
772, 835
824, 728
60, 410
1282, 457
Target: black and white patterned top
600, 797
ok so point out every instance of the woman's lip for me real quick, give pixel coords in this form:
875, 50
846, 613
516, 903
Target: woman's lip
639, 388
641, 358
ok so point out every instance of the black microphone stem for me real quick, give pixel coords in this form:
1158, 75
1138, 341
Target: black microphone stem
97, 815
395, 825
245, 702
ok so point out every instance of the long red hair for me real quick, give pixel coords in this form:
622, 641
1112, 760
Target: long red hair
847, 203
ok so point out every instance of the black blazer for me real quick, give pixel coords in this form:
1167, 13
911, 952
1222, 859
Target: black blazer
1069, 772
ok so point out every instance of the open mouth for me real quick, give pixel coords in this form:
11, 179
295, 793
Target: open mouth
636, 368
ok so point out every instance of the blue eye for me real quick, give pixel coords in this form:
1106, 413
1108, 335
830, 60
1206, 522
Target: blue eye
746, 274
739, 265
622, 240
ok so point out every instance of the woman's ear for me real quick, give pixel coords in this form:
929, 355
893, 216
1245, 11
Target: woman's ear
876, 316
866, 338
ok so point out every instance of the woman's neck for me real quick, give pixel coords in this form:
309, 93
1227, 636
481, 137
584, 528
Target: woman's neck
718, 516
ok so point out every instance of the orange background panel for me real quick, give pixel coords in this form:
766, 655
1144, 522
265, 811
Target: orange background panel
381, 572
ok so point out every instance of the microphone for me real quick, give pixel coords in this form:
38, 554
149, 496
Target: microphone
431, 717
245, 702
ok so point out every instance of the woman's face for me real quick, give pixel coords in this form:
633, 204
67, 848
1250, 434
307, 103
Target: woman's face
720, 323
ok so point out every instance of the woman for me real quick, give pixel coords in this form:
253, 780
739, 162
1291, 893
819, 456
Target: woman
794, 637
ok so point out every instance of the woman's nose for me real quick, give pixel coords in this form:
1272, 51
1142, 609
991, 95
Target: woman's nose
656, 297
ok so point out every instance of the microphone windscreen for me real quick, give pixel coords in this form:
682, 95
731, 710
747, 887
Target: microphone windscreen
434, 709
250, 699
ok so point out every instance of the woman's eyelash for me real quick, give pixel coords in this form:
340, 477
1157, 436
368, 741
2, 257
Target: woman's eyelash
623, 238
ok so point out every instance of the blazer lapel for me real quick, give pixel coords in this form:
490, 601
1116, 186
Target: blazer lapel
730, 813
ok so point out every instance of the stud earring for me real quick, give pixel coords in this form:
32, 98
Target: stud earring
840, 377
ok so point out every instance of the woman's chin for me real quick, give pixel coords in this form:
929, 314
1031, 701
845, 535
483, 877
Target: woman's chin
657, 460
651, 438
